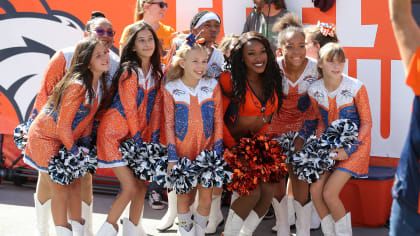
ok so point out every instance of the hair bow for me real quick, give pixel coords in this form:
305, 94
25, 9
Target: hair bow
326, 29
191, 40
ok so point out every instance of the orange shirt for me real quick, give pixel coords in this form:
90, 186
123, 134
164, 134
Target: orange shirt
252, 107
413, 77
193, 118
49, 130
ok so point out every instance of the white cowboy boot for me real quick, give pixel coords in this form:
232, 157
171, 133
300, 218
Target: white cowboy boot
343, 226
327, 226
282, 220
250, 224
43, 217
233, 224
216, 216
129, 229
77, 228
87, 215
63, 231
303, 218
168, 219
107, 229
183, 232
315, 219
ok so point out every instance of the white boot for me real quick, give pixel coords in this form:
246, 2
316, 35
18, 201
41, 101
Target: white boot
77, 228
43, 217
168, 219
343, 226
327, 226
234, 196
129, 229
291, 210
216, 216
63, 231
140, 229
315, 219
107, 229
87, 215
303, 218
233, 224
250, 224
199, 231
282, 220
183, 232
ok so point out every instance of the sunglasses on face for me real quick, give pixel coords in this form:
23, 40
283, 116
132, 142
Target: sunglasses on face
102, 32
161, 4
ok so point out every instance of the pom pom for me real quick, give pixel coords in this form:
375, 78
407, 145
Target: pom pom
20, 135
316, 157
212, 169
183, 176
66, 166
142, 160
92, 162
286, 142
253, 160
161, 177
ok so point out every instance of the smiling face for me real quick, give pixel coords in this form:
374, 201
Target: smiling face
194, 64
144, 45
254, 56
99, 61
293, 49
103, 31
332, 69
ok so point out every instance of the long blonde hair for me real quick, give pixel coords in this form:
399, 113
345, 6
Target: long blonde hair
139, 9
176, 71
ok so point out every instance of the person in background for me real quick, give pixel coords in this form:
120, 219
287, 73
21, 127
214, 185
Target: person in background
152, 12
98, 27
265, 14
67, 120
317, 36
405, 212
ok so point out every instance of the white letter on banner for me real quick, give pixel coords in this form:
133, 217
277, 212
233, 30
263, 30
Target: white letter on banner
369, 72
349, 29
234, 15
296, 6
186, 9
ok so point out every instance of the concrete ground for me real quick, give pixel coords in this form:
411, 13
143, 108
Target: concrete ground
17, 215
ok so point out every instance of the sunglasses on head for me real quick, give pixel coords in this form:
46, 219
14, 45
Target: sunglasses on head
101, 32
161, 4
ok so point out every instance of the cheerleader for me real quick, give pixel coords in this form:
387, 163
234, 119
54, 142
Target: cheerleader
134, 113
193, 123
66, 120
97, 27
300, 72
337, 96
252, 95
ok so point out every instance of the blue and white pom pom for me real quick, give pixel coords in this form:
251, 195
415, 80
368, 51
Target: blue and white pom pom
149, 154
92, 163
129, 152
183, 176
316, 156
161, 177
212, 169
286, 142
340, 134
66, 166
20, 135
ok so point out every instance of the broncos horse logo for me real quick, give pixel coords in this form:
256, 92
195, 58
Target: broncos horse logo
25, 50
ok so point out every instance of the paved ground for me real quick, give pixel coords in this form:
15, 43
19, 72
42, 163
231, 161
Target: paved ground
17, 215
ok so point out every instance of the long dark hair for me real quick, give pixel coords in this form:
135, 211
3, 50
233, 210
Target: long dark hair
130, 62
272, 77
78, 71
